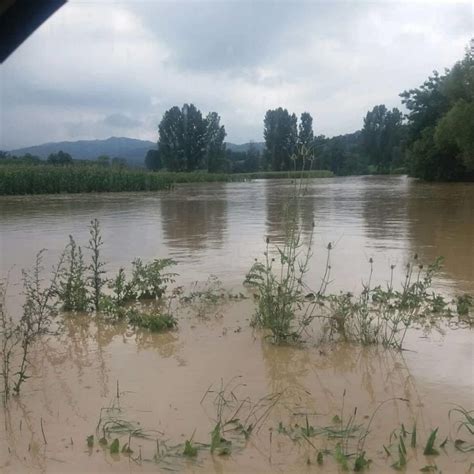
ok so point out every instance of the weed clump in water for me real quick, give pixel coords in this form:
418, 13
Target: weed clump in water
286, 305
279, 280
155, 322
383, 315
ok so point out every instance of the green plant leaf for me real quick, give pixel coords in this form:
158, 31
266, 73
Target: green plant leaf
216, 437
402, 445
189, 449
429, 448
115, 446
341, 458
361, 462
413, 437
429, 468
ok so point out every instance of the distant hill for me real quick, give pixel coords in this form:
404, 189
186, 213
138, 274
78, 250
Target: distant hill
260, 146
133, 150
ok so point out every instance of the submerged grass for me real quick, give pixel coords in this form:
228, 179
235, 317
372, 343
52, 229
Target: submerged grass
346, 435
233, 420
347, 438
465, 424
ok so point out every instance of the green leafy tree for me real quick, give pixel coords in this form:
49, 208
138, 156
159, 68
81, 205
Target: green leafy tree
455, 131
252, 159
171, 140
343, 154
59, 158
440, 120
281, 137
153, 160
194, 137
182, 141
305, 130
215, 146
382, 134
305, 138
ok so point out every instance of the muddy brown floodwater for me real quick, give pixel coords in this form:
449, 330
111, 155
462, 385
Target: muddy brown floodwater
162, 379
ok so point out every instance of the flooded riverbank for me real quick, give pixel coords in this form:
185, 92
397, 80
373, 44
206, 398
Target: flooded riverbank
163, 378
220, 228
166, 384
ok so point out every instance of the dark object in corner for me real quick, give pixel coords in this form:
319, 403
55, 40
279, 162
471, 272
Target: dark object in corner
20, 18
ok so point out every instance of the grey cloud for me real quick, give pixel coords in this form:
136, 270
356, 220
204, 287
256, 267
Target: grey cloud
119, 120
221, 36
79, 94
102, 67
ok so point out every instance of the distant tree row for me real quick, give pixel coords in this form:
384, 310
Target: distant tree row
188, 142
60, 158
247, 161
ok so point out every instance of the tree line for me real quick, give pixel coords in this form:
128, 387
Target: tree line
433, 141
60, 158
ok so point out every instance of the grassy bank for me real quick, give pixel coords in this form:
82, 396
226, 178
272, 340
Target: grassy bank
21, 179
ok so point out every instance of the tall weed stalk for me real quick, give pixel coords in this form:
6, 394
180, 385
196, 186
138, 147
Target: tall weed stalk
97, 279
72, 288
18, 338
279, 281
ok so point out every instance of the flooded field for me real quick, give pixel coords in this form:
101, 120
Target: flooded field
170, 387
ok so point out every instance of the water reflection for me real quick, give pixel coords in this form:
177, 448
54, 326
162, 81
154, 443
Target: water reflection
279, 207
441, 223
193, 220
318, 381
384, 207
166, 344
220, 228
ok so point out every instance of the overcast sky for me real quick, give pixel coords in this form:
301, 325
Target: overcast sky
111, 68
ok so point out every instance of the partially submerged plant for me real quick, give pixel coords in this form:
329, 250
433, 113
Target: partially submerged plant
464, 304
234, 418
97, 280
114, 424
149, 281
346, 435
18, 338
72, 288
384, 315
279, 278
466, 424
154, 321
9, 339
